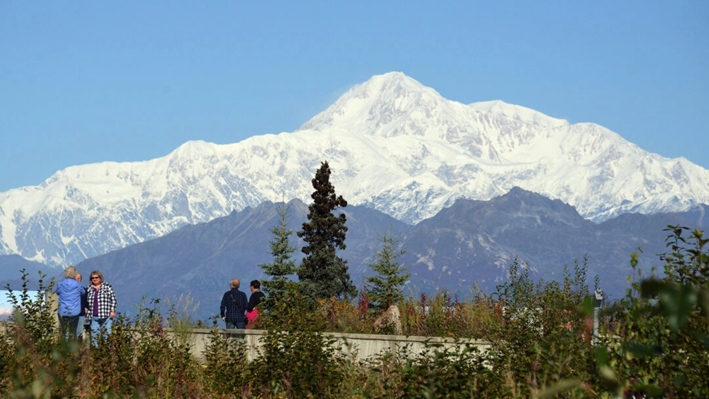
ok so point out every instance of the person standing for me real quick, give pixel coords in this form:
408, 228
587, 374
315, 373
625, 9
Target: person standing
82, 324
101, 301
254, 301
233, 306
69, 293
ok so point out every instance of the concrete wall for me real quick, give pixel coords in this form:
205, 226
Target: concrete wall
53, 301
363, 345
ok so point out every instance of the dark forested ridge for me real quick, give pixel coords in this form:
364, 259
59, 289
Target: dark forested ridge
471, 242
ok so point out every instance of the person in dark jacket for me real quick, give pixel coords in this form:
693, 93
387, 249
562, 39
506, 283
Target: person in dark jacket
233, 306
254, 301
69, 292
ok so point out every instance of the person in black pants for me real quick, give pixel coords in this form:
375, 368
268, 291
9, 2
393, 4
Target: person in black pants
69, 292
233, 306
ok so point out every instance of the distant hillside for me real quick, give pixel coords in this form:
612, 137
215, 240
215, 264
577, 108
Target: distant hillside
478, 240
472, 242
10, 266
201, 259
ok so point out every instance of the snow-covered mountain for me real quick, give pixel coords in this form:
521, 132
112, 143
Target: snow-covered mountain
392, 144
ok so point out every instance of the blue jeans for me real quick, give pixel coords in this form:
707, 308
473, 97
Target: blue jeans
99, 326
237, 324
84, 326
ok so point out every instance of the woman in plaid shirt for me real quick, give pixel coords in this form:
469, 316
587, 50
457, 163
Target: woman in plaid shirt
101, 305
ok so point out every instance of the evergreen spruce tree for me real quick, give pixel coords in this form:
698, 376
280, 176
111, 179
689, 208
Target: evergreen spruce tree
385, 288
283, 264
322, 273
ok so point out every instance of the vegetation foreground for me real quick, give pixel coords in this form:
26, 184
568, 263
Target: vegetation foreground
652, 343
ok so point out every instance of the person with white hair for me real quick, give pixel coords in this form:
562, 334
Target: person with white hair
233, 306
69, 292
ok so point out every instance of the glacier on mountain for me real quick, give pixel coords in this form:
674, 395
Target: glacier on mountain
393, 145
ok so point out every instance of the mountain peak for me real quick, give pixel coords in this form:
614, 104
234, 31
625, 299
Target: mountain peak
390, 83
386, 105
195, 149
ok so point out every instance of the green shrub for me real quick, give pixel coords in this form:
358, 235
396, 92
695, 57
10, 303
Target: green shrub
661, 345
295, 357
226, 369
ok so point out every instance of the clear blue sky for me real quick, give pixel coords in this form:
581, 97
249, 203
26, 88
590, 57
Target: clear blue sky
90, 81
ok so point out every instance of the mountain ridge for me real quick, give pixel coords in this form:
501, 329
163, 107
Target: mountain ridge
467, 246
393, 145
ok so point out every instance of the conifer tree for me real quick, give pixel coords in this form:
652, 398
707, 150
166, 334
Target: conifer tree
322, 273
283, 264
385, 288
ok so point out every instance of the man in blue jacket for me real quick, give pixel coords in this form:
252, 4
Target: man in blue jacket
69, 292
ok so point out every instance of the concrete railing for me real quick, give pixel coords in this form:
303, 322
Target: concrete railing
364, 346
